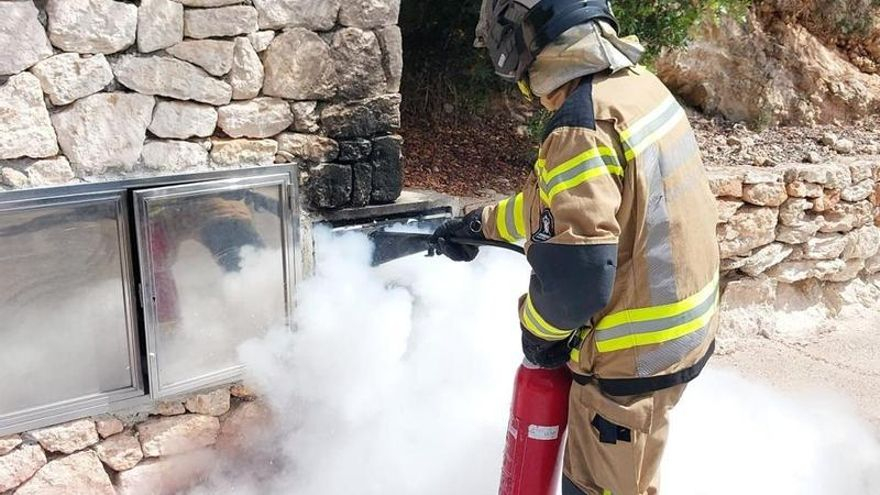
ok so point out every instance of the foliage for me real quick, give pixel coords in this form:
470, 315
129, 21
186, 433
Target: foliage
442, 67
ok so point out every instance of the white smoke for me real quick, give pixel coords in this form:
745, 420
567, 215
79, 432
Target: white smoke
397, 381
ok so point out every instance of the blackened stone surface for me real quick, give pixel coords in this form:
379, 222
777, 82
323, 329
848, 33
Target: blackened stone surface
387, 169
329, 185
362, 184
362, 118
354, 151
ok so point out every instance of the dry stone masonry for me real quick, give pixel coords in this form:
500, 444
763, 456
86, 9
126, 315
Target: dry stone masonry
163, 452
104, 89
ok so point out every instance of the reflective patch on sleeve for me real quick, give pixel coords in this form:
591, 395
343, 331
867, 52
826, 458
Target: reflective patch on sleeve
510, 218
652, 127
587, 166
535, 323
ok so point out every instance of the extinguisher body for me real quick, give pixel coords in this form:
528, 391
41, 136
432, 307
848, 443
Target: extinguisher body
536, 431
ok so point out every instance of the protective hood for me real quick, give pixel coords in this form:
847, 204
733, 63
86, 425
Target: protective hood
582, 50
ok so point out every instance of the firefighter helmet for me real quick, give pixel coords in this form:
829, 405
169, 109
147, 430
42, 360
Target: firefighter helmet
515, 31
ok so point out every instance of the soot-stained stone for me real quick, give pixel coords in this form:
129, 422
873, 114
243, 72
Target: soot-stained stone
355, 150
362, 183
362, 118
329, 185
387, 162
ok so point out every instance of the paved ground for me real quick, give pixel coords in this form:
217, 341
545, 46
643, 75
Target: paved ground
846, 362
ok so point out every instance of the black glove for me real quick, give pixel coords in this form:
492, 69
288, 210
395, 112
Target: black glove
468, 227
544, 353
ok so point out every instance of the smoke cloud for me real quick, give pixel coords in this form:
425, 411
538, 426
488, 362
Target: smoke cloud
397, 381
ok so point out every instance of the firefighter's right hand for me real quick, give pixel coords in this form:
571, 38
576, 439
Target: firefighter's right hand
468, 227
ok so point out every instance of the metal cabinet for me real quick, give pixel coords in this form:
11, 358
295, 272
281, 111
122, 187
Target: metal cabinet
113, 295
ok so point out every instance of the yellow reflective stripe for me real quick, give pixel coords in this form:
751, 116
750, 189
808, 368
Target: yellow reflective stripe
580, 179
501, 221
596, 162
635, 149
536, 324
607, 492
658, 312
575, 355
519, 215
577, 160
648, 119
650, 338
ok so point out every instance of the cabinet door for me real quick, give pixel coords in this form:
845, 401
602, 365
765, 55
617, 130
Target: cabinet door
215, 263
68, 330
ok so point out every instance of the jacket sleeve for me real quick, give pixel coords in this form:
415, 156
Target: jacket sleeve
505, 220
573, 253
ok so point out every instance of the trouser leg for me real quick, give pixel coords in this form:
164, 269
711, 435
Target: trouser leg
615, 444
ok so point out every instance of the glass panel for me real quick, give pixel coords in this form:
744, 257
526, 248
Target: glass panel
217, 276
63, 305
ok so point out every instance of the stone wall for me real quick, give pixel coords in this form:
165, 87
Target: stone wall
99, 89
160, 452
796, 235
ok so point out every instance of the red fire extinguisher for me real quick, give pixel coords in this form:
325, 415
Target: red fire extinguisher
536, 431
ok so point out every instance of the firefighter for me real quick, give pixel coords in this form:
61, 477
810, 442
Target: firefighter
619, 227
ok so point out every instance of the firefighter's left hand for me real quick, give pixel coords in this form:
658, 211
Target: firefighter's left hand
543, 353
468, 227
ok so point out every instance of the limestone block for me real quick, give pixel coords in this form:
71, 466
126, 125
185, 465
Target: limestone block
762, 175
243, 392
725, 182
362, 118
215, 403
19, 465
165, 476
183, 120
827, 201
246, 77
872, 264
22, 37
120, 452
849, 271
748, 292
257, 118
765, 194
104, 131
67, 77
858, 192
108, 426
261, 39
243, 152
13, 178
355, 150
795, 271
174, 156
315, 15
800, 189
78, 473
244, 427
847, 216
309, 147
207, 3
305, 116
824, 247
861, 169
764, 258
68, 437
362, 183
219, 22
160, 25
793, 211
92, 26
49, 172
358, 58
177, 434
391, 41
369, 13
8, 443
212, 55
751, 227
299, 66
25, 129
387, 159
165, 76
797, 233
830, 176
170, 408
329, 185
727, 208
862, 243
